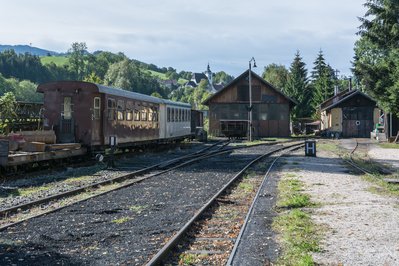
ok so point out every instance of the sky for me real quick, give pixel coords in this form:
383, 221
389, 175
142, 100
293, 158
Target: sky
187, 35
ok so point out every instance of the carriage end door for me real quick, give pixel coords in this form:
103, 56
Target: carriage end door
67, 128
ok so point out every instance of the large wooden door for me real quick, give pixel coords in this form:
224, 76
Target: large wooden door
357, 122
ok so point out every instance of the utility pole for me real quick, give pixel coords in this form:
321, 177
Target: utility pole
250, 99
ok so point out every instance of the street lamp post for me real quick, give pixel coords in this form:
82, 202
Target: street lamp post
250, 99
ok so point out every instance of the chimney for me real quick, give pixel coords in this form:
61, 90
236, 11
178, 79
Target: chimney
336, 90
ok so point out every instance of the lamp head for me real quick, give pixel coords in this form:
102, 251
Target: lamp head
252, 59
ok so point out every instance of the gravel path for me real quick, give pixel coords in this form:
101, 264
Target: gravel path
122, 227
385, 156
359, 227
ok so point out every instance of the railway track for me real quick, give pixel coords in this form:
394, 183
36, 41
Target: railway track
214, 231
126, 226
51, 203
351, 160
134, 176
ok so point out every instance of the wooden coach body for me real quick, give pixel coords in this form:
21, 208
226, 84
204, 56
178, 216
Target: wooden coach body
89, 113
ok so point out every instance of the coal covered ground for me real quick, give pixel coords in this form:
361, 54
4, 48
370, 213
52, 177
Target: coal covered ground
123, 227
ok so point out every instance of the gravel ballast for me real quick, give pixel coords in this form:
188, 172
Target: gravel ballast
122, 227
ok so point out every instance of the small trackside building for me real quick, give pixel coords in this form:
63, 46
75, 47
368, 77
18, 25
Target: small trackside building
270, 112
349, 114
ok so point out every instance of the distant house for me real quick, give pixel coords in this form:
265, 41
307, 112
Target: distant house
350, 113
191, 84
271, 107
169, 83
197, 77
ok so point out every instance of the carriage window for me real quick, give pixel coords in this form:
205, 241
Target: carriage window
172, 115
168, 114
150, 111
136, 115
67, 108
111, 109
129, 115
129, 111
155, 115
121, 107
144, 115
96, 108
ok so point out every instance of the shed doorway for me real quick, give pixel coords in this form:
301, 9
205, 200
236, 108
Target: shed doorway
357, 122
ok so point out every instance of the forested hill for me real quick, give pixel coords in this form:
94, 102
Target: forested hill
20, 73
21, 49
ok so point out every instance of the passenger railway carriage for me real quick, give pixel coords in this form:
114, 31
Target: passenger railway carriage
90, 114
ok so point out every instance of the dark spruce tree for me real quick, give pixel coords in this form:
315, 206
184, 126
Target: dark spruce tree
322, 77
376, 61
298, 88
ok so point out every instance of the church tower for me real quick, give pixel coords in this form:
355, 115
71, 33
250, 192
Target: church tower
208, 74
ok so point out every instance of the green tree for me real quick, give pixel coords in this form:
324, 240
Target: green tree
200, 94
26, 91
298, 88
277, 75
121, 75
77, 59
8, 104
376, 63
93, 78
222, 77
156, 94
322, 80
127, 75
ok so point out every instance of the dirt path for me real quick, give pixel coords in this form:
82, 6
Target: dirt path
360, 227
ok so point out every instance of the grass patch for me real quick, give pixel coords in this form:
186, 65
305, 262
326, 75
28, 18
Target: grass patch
290, 194
121, 220
389, 145
58, 60
384, 188
328, 146
247, 187
138, 208
369, 165
78, 179
190, 259
299, 238
31, 190
298, 234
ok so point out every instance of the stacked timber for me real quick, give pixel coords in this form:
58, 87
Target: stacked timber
45, 136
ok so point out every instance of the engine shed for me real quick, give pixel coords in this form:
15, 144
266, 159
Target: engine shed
349, 114
229, 109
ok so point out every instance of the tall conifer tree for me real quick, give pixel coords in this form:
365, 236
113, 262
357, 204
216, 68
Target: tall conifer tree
376, 62
298, 88
322, 80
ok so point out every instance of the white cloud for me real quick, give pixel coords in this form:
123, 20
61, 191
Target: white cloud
189, 34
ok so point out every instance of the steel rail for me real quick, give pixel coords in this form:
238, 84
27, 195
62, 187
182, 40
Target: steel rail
11, 210
353, 164
249, 213
25, 206
161, 254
